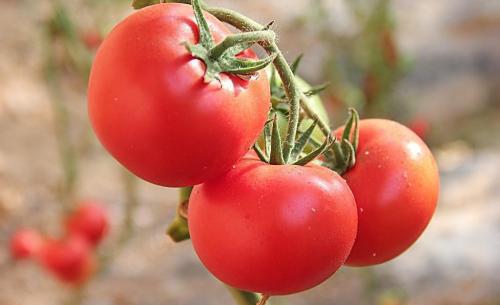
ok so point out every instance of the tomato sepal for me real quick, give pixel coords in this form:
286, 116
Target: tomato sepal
342, 156
222, 58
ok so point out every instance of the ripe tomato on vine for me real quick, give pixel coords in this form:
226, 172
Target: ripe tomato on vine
396, 183
294, 225
160, 111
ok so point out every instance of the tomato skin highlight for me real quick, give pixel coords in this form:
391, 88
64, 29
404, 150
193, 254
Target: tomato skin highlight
69, 259
274, 229
150, 108
90, 221
25, 243
396, 185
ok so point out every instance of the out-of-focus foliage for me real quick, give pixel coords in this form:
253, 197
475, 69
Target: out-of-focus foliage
365, 65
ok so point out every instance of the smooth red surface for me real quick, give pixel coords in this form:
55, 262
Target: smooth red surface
25, 243
70, 259
396, 183
90, 221
274, 229
151, 109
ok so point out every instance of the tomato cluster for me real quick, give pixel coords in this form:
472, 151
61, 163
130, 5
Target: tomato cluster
263, 221
70, 258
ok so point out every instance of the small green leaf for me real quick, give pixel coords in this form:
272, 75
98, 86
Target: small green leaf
302, 141
276, 156
138, 4
318, 151
295, 64
316, 89
339, 154
351, 152
267, 136
245, 66
237, 49
260, 153
355, 136
268, 25
273, 80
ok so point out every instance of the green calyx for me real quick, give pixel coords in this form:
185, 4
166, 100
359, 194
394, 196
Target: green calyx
273, 149
342, 155
222, 58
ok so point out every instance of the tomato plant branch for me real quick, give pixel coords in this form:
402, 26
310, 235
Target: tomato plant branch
292, 91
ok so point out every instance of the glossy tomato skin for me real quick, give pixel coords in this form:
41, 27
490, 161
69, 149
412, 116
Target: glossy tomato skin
151, 109
25, 243
396, 184
274, 229
69, 259
89, 221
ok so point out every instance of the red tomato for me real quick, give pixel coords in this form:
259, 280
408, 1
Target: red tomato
25, 243
274, 229
151, 109
90, 221
70, 260
396, 183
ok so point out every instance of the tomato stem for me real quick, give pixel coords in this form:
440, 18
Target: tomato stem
295, 96
292, 91
223, 57
206, 39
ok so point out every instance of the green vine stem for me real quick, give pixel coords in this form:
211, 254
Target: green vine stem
296, 97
